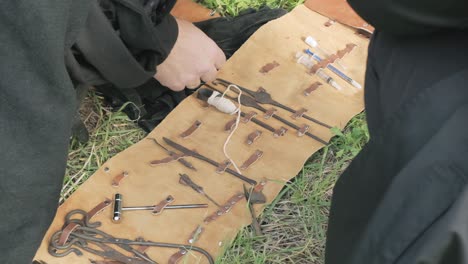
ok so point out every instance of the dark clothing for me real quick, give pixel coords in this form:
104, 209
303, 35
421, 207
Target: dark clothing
122, 42
404, 199
413, 17
37, 99
230, 33
152, 102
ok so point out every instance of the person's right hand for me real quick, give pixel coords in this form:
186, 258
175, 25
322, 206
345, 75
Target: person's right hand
194, 57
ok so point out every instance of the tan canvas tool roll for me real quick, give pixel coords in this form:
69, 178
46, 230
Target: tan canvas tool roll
280, 158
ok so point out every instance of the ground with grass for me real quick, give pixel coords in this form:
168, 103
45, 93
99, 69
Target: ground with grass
294, 225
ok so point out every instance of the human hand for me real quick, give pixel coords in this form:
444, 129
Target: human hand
194, 56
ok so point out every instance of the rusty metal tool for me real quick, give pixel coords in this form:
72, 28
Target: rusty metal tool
224, 209
255, 224
61, 242
263, 97
197, 155
185, 180
157, 209
90, 239
277, 132
172, 154
250, 102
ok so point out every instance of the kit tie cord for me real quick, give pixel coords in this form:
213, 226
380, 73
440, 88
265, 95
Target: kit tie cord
226, 106
222, 104
237, 123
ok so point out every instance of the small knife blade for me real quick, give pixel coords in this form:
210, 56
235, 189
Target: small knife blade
197, 155
182, 161
185, 180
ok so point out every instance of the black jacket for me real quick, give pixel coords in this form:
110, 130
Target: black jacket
404, 199
122, 42
37, 98
413, 17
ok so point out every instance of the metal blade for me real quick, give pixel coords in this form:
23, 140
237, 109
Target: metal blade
195, 154
182, 149
181, 160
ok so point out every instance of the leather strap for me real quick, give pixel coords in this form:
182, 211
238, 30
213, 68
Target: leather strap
299, 113
161, 205
99, 208
230, 125
191, 129
252, 159
304, 129
248, 116
141, 249
312, 88
117, 179
256, 196
269, 66
269, 113
66, 233
332, 58
225, 208
177, 256
223, 166
252, 137
194, 236
171, 158
280, 132
260, 186
72, 226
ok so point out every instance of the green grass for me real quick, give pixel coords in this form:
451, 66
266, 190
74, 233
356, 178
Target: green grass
294, 225
233, 7
111, 133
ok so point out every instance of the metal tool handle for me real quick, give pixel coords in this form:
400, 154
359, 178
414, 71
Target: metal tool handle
185, 180
177, 206
117, 207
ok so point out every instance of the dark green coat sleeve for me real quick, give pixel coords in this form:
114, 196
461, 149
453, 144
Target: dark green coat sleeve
408, 17
37, 102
